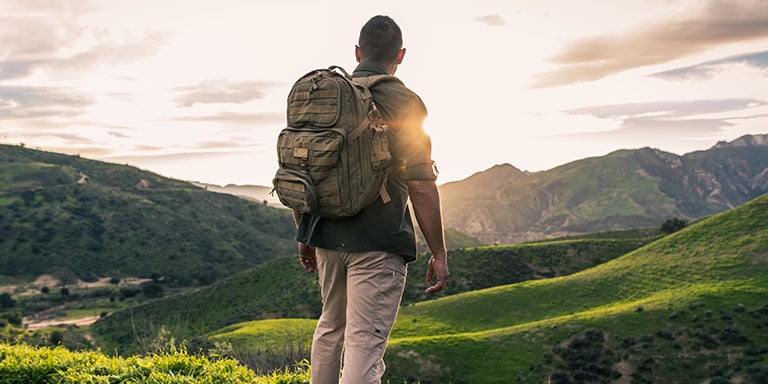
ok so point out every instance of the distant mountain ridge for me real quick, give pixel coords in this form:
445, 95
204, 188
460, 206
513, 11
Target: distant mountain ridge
744, 141
624, 189
252, 192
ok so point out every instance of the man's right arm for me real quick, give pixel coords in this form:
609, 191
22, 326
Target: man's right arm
425, 198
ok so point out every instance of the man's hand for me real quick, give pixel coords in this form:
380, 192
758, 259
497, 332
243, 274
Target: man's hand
307, 257
425, 198
437, 267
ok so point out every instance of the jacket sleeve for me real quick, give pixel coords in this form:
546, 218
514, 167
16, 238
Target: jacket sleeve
410, 145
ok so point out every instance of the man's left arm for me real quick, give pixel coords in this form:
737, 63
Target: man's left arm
307, 256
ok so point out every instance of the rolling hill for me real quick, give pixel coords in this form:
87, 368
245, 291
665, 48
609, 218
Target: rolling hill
687, 308
79, 218
281, 289
624, 189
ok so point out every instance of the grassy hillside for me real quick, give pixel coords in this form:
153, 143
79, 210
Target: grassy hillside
482, 267
79, 218
689, 307
280, 288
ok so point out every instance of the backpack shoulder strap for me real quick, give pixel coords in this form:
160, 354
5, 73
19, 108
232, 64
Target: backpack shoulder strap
370, 81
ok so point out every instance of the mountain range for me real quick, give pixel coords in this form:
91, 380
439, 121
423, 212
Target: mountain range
624, 189
80, 218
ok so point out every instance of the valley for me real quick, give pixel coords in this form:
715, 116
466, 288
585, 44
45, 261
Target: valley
567, 275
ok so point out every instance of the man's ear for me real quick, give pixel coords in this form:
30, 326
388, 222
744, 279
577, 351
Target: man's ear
400, 56
358, 55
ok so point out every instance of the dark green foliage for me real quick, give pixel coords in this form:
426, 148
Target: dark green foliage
673, 225
10, 318
6, 301
78, 218
152, 290
585, 359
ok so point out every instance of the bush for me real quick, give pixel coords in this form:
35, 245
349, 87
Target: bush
151, 289
23, 364
6, 301
673, 225
12, 318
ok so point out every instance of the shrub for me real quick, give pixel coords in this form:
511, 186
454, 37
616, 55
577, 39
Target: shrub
24, 364
673, 225
152, 289
6, 301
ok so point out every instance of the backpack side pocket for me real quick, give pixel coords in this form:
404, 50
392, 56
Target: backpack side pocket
295, 190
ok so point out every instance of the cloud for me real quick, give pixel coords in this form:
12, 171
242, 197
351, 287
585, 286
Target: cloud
666, 123
59, 7
105, 54
708, 69
224, 91
49, 35
227, 145
119, 135
491, 20
109, 53
655, 132
25, 102
667, 109
716, 23
237, 118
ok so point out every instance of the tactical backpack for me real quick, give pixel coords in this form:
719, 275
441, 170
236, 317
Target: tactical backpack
334, 153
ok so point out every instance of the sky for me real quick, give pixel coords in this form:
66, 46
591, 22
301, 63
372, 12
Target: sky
196, 90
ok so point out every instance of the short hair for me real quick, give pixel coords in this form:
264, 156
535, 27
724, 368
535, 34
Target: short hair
380, 40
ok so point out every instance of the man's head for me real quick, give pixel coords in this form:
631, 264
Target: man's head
381, 41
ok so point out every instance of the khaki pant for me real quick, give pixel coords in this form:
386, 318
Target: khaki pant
361, 295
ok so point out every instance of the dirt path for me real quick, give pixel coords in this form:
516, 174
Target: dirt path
80, 322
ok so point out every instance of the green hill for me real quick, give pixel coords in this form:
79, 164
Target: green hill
78, 218
482, 267
281, 289
624, 189
687, 308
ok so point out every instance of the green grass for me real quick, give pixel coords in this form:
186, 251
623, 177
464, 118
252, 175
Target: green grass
263, 332
670, 311
281, 289
477, 268
514, 331
25, 364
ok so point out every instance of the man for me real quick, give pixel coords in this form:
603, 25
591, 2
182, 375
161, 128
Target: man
361, 260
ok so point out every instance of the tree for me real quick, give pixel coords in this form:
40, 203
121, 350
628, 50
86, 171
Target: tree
6, 301
152, 289
673, 225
